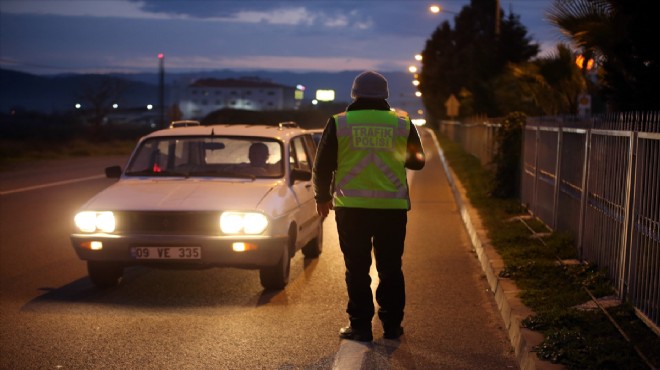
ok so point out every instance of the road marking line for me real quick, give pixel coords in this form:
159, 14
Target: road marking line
351, 354
57, 183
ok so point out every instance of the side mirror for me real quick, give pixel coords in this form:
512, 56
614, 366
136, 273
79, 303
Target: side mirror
113, 172
300, 175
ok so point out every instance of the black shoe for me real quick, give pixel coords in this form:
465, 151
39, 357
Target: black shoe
361, 335
393, 333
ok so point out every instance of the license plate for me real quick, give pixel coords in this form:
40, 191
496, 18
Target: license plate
166, 253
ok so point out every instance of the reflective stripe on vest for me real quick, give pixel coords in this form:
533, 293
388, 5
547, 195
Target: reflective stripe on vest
375, 133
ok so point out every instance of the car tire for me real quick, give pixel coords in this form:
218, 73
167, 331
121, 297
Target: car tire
104, 274
315, 246
276, 277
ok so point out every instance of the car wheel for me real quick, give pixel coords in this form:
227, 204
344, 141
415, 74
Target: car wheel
315, 246
276, 277
104, 274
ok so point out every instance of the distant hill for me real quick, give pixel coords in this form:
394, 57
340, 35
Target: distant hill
58, 93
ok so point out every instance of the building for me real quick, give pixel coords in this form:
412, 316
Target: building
208, 95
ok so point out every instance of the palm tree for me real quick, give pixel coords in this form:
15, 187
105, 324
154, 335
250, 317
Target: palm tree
549, 85
619, 34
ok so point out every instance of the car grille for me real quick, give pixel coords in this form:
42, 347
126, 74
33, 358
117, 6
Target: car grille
170, 222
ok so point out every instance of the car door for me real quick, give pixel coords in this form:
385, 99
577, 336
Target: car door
301, 157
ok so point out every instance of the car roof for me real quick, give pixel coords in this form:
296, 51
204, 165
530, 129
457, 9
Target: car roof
282, 132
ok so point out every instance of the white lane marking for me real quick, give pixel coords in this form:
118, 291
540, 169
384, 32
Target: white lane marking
351, 354
50, 184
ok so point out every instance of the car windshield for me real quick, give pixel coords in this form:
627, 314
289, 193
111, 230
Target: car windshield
217, 156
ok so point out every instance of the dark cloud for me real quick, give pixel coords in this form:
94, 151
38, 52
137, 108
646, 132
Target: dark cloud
205, 34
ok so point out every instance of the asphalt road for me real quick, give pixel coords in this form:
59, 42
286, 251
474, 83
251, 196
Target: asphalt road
52, 317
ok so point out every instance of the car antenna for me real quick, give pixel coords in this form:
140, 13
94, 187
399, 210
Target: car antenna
212, 133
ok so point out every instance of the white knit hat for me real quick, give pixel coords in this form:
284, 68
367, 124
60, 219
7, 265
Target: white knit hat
370, 84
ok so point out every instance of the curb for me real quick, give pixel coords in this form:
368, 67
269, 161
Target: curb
512, 310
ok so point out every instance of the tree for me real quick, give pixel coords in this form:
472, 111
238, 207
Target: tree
548, 85
620, 34
465, 61
100, 93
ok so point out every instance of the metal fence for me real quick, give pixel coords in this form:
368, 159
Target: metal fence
476, 136
599, 180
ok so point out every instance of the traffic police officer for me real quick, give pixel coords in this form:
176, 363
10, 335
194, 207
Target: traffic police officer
360, 172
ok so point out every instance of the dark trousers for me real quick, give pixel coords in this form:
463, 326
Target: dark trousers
384, 230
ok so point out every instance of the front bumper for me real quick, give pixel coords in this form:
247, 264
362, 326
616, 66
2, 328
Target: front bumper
216, 251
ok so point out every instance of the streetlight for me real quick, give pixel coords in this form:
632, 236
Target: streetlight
435, 9
161, 88
412, 69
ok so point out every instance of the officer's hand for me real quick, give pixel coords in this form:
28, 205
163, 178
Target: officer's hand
323, 208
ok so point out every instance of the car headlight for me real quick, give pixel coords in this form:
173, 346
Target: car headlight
243, 223
90, 221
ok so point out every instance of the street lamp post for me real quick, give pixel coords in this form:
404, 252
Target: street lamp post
161, 89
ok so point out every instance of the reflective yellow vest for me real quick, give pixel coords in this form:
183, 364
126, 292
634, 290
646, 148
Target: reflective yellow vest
370, 160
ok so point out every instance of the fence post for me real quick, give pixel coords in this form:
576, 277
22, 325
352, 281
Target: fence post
536, 168
584, 195
555, 201
628, 221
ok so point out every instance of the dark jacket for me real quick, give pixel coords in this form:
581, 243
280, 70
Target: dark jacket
326, 155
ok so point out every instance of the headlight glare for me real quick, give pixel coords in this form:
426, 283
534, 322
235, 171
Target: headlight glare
243, 222
254, 223
231, 223
105, 221
90, 221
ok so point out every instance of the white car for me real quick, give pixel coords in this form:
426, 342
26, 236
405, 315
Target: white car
205, 196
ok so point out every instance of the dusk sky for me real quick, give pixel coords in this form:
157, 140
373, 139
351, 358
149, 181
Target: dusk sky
99, 36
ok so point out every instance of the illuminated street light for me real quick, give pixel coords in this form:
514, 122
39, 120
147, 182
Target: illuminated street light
436, 9
150, 107
412, 69
115, 106
78, 106
418, 57
415, 82
418, 94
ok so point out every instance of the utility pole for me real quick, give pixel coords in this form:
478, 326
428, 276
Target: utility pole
497, 19
161, 89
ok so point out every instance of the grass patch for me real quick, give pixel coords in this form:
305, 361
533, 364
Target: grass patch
18, 151
574, 338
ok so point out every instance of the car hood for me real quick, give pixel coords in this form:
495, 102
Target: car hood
184, 194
